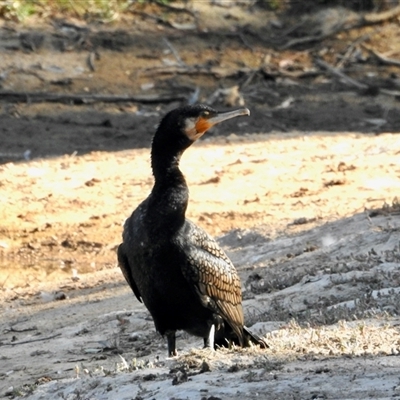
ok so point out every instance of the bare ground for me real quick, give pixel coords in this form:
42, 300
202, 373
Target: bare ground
302, 195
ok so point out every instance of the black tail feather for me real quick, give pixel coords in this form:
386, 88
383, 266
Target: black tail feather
225, 337
253, 338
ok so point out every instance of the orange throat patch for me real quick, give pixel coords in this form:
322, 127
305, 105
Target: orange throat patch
202, 125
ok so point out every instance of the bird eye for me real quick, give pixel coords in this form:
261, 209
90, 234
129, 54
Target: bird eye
206, 113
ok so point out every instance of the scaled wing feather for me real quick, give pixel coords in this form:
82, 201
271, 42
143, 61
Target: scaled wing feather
214, 276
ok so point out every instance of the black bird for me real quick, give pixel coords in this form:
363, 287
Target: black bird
183, 277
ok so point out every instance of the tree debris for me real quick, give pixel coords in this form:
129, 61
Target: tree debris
380, 57
174, 51
31, 341
327, 22
352, 82
38, 97
334, 71
377, 18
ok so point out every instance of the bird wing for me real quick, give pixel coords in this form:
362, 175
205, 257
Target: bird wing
126, 271
214, 276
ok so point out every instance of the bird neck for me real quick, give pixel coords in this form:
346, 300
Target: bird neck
165, 166
170, 194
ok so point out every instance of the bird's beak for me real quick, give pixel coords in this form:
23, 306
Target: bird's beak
223, 116
204, 123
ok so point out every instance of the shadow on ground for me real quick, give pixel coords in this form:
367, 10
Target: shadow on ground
238, 50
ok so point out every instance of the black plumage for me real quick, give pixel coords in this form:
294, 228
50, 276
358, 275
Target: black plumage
180, 273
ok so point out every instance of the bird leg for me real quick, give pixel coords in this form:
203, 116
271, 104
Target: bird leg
171, 340
209, 341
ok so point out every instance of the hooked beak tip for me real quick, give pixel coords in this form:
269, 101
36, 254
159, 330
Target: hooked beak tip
223, 116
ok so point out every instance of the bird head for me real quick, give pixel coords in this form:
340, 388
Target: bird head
200, 118
183, 126
179, 129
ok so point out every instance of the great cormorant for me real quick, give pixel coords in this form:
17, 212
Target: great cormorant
174, 267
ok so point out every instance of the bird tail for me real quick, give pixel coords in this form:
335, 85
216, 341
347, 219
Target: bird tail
250, 337
226, 336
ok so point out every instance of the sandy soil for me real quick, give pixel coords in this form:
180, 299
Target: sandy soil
302, 195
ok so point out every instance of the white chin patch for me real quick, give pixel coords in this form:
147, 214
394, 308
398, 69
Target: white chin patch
190, 124
190, 129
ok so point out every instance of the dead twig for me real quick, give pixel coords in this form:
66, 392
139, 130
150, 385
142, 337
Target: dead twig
351, 48
175, 9
394, 93
26, 72
194, 96
152, 17
218, 72
305, 40
6, 279
376, 18
12, 329
311, 73
293, 28
321, 25
352, 82
343, 20
39, 97
222, 72
245, 42
93, 55
174, 52
165, 22
339, 74
31, 341
380, 57
249, 79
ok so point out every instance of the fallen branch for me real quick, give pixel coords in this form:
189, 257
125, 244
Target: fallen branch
352, 82
336, 72
12, 329
351, 48
306, 40
323, 24
245, 42
31, 341
218, 72
310, 73
394, 93
165, 22
176, 9
326, 23
222, 72
380, 57
376, 18
93, 55
39, 97
174, 52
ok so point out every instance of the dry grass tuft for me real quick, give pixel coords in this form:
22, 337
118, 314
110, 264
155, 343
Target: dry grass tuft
295, 342
341, 339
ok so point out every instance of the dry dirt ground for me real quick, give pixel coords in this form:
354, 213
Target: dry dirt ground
302, 195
